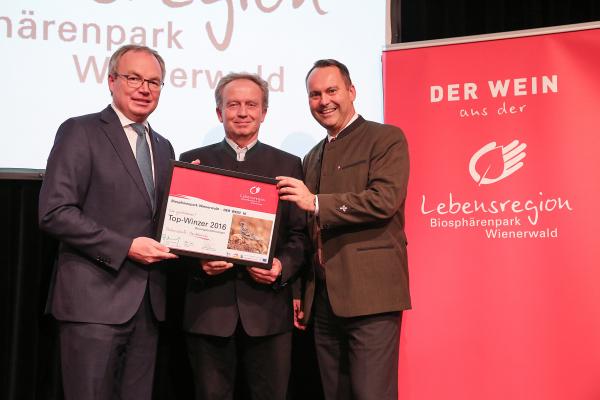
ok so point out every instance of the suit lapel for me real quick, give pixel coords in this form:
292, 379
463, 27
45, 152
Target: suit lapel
312, 171
161, 156
116, 135
312, 176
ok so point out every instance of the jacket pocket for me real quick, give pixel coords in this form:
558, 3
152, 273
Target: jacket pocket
375, 246
351, 164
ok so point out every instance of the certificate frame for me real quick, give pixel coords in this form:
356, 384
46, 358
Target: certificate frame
218, 214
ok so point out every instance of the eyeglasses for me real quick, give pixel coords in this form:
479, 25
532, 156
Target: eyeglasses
134, 81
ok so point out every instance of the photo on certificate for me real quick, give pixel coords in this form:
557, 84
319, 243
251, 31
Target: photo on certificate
217, 214
249, 234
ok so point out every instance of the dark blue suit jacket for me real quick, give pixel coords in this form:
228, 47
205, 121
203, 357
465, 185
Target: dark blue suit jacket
214, 304
93, 200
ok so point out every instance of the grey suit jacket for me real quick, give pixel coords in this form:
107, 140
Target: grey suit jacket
361, 180
214, 304
93, 200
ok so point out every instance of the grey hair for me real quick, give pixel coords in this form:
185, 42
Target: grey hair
116, 57
234, 76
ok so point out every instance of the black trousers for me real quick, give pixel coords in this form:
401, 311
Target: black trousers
109, 362
358, 356
264, 360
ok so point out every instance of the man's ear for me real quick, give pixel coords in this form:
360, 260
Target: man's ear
111, 83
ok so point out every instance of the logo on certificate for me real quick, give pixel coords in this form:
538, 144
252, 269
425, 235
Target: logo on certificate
254, 197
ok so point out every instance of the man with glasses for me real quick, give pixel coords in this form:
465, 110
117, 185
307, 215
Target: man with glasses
105, 176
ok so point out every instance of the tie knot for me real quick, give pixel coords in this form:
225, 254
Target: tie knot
140, 129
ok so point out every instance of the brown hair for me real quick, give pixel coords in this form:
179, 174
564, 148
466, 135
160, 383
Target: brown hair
330, 62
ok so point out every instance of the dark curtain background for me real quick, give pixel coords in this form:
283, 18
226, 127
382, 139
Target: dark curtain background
29, 360
28, 347
414, 20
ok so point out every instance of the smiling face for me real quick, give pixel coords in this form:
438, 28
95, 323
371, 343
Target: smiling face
242, 111
135, 103
330, 99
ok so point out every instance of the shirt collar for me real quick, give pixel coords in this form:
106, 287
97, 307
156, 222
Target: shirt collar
124, 120
240, 151
354, 117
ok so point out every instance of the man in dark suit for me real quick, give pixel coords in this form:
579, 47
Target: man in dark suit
243, 315
356, 181
105, 175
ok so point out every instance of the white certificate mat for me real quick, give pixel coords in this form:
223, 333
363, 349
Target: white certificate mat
221, 215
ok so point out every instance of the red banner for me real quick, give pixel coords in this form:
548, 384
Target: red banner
502, 217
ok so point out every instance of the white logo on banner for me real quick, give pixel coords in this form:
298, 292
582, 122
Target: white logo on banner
255, 189
496, 162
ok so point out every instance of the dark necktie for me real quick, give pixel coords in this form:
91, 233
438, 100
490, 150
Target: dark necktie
142, 156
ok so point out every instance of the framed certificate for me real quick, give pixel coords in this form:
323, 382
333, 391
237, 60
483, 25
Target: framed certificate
218, 214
